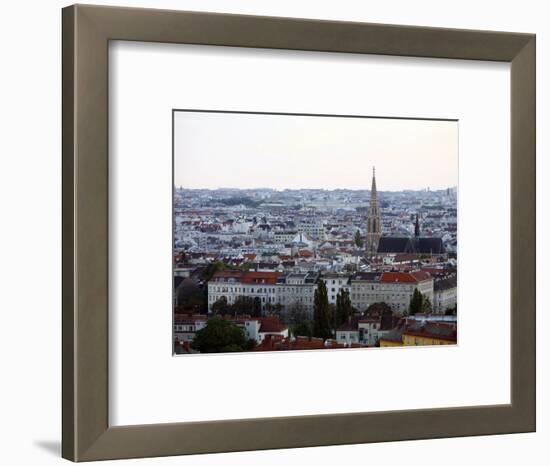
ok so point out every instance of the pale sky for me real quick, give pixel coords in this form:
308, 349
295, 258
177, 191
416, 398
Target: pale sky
214, 150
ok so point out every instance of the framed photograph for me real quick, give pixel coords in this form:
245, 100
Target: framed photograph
265, 261
335, 217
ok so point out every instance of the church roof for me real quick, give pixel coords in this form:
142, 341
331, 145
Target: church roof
415, 245
394, 244
428, 245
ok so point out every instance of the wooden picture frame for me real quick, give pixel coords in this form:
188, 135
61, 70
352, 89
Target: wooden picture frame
86, 432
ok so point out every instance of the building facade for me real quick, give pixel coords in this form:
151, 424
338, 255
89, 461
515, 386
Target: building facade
295, 291
335, 282
231, 284
445, 294
365, 331
393, 288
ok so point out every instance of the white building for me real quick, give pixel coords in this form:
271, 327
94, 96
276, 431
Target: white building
231, 284
445, 294
313, 228
297, 290
336, 282
364, 331
185, 326
393, 288
284, 236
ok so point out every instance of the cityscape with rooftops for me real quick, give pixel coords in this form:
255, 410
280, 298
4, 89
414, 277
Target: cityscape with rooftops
297, 269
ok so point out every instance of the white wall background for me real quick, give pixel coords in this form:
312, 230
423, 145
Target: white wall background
30, 193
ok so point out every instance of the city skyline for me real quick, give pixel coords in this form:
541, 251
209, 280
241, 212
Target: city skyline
278, 152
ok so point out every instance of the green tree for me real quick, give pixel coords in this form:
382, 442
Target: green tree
220, 336
302, 329
344, 309
451, 311
220, 306
296, 313
243, 305
358, 239
378, 308
275, 309
211, 269
321, 312
190, 297
426, 305
415, 304
257, 308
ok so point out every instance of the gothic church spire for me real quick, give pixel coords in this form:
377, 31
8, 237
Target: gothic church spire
374, 224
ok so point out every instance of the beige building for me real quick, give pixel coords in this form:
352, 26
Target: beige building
445, 294
393, 288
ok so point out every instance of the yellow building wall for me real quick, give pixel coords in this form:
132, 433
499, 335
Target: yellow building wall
390, 343
410, 340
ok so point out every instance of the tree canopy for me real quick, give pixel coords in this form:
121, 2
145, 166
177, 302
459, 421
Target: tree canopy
358, 240
378, 308
211, 269
221, 306
220, 336
344, 309
302, 329
321, 312
426, 305
190, 297
415, 305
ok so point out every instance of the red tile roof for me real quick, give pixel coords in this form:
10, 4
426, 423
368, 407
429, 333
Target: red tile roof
400, 277
420, 275
269, 278
271, 324
404, 277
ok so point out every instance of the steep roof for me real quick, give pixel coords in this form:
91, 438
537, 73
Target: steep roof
405, 245
394, 244
427, 245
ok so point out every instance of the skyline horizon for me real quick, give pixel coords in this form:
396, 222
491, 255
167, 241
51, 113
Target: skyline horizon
267, 188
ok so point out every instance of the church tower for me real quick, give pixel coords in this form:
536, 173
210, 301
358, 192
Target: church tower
374, 225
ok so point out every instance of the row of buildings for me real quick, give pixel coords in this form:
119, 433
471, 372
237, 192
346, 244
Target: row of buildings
297, 290
313, 230
270, 334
